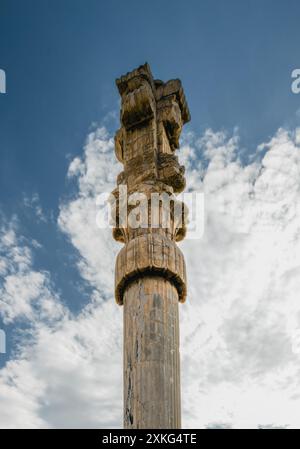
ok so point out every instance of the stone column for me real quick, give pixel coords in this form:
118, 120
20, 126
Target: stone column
150, 268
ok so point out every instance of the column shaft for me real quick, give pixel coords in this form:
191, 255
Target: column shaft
151, 355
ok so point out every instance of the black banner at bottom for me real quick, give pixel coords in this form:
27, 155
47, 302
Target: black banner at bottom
144, 438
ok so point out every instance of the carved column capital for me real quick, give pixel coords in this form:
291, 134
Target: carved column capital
152, 116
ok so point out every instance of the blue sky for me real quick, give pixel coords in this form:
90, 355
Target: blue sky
61, 58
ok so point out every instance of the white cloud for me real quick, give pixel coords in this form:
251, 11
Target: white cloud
66, 370
95, 174
242, 313
237, 326
24, 292
69, 377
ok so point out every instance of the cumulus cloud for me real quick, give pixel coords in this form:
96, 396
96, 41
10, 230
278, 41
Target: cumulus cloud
24, 293
66, 369
69, 377
239, 363
240, 322
95, 173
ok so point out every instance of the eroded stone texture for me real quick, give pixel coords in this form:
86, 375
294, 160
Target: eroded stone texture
150, 269
151, 355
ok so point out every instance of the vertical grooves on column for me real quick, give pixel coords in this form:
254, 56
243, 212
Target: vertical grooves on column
151, 355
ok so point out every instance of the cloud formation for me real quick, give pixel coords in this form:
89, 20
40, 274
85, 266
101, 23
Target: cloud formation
25, 294
66, 370
238, 328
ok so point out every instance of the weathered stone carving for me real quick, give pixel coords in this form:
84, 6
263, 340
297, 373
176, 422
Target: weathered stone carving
152, 116
150, 254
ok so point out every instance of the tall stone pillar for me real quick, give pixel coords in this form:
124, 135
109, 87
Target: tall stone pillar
150, 277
